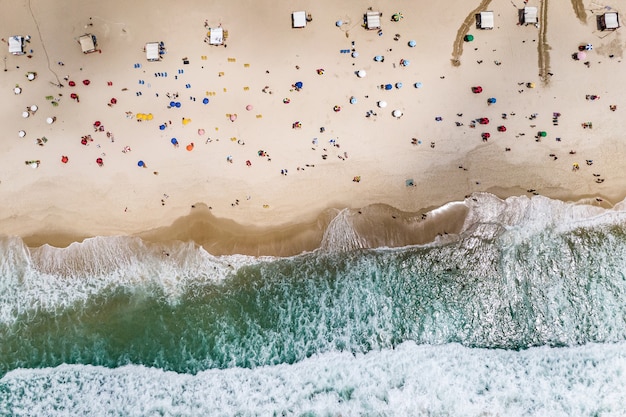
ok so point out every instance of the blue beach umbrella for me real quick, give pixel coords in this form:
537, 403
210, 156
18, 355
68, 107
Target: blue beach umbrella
174, 141
298, 84
412, 43
491, 100
205, 101
418, 85
162, 127
172, 104
355, 54
178, 104
398, 85
140, 164
338, 23
378, 58
388, 86
352, 100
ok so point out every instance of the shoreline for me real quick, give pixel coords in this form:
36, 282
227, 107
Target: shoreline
376, 225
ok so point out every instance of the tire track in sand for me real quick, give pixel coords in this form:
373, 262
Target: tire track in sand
543, 48
579, 9
457, 49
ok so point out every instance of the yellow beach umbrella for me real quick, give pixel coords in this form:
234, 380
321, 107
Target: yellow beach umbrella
149, 116
140, 115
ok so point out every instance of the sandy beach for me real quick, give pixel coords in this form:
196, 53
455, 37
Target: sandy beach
264, 166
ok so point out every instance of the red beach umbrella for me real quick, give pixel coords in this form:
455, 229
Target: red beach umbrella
486, 135
113, 100
483, 121
97, 123
72, 84
64, 159
99, 161
501, 128
74, 96
86, 82
477, 89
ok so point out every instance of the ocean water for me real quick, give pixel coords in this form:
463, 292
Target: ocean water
523, 313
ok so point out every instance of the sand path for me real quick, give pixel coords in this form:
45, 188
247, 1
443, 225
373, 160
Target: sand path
457, 49
579, 9
543, 47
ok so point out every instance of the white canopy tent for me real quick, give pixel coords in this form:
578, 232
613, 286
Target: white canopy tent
216, 36
298, 19
87, 43
152, 51
485, 20
610, 21
530, 15
16, 45
372, 20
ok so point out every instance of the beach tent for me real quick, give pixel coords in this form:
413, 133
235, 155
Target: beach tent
216, 36
87, 43
152, 51
16, 45
298, 19
529, 15
485, 20
609, 21
372, 20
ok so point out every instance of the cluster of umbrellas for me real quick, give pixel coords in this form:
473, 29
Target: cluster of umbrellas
143, 116
73, 84
177, 104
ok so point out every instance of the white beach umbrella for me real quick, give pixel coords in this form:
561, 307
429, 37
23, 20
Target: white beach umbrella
21, 133
17, 90
34, 108
361, 73
50, 120
382, 104
30, 76
25, 115
397, 113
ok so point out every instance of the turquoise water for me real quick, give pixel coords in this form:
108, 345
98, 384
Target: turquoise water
523, 313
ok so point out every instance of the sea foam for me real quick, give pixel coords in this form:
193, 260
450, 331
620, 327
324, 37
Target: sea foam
410, 380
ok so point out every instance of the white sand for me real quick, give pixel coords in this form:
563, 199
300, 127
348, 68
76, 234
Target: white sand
120, 198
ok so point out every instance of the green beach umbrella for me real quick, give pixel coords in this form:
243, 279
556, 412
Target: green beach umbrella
543, 134
469, 38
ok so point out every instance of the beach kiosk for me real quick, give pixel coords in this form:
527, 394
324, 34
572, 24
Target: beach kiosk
88, 43
609, 21
216, 36
372, 20
484, 20
528, 15
16, 45
153, 50
298, 19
